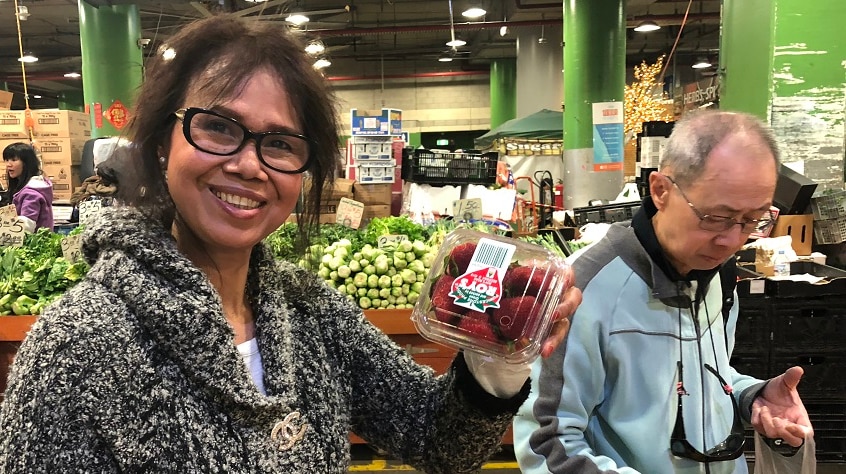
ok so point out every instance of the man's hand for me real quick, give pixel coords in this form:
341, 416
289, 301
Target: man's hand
778, 411
571, 301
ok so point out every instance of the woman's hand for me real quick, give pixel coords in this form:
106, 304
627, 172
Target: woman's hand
565, 310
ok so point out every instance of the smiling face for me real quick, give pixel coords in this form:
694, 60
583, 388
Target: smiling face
14, 167
230, 203
738, 181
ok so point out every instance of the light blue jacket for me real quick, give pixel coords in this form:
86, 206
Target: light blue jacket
607, 400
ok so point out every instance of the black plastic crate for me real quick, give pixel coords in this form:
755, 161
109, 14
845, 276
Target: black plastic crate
815, 325
754, 364
439, 168
753, 332
606, 213
823, 377
835, 284
829, 422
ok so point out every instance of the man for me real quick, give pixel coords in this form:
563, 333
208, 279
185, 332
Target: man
649, 342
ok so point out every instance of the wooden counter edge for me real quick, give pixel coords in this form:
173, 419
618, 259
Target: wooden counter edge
392, 321
15, 328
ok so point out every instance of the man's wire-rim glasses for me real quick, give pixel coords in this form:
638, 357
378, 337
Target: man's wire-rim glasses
220, 135
728, 449
714, 223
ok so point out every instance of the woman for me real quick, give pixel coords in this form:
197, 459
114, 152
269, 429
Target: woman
29, 190
187, 348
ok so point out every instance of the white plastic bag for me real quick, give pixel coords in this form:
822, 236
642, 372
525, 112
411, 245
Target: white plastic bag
768, 461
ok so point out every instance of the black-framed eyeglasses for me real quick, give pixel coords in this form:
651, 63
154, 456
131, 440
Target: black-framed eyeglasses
728, 449
714, 223
217, 134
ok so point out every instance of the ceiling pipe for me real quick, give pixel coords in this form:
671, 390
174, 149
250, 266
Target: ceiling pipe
496, 25
419, 75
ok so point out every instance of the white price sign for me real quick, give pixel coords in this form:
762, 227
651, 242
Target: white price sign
72, 247
391, 240
11, 231
349, 213
467, 209
88, 209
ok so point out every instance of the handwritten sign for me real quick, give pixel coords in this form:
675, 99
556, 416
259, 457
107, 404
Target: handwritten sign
88, 209
349, 213
72, 247
390, 240
467, 209
11, 231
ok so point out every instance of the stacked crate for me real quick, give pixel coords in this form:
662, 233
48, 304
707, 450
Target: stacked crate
829, 217
797, 323
58, 138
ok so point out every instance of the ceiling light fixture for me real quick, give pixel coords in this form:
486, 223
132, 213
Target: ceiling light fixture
73, 75
701, 63
456, 42
322, 63
503, 30
297, 19
474, 12
23, 12
453, 42
647, 26
28, 58
315, 47
445, 58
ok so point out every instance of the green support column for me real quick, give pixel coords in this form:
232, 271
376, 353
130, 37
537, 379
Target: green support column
594, 71
785, 64
72, 100
746, 56
503, 91
111, 61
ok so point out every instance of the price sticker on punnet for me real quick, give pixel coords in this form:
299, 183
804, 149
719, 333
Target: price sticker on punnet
491, 294
11, 230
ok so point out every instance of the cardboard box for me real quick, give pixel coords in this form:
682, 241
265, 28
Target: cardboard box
61, 124
800, 228
6, 100
59, 151
12, 125
372, 193
377, 210
65, 180
372, 172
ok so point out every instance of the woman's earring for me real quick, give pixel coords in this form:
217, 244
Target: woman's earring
162, 160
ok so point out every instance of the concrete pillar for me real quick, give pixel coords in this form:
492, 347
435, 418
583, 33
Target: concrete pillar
539, 64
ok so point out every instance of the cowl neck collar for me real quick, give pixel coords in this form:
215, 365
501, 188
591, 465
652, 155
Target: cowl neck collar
177, 308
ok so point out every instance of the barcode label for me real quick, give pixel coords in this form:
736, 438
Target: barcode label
48, 121
10, 121
492, 253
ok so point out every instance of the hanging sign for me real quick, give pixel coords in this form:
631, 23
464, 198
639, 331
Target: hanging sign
117, 114
607, 136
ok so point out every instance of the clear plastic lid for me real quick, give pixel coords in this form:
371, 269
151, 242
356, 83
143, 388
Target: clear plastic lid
491, 294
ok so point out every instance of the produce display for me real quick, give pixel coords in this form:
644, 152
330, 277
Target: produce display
383, 265
36, 273
491, 294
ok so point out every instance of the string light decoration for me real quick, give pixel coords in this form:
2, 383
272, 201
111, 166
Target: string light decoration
641, 102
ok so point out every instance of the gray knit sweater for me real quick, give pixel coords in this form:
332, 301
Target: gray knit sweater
135, 370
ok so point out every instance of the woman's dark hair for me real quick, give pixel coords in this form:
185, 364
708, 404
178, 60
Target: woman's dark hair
25, 153
214, 56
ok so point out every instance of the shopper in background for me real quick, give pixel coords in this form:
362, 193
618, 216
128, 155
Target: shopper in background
645, 384
29, 190
188, 348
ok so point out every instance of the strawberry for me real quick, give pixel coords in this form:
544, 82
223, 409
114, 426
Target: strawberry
514, 314
524, 281
445, 308
459, 258
478, 325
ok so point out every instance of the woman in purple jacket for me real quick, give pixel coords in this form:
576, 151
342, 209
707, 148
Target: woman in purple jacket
31, 192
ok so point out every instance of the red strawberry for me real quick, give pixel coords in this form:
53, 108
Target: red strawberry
514, 314
445, 308
459, 258
478, 325
520, 281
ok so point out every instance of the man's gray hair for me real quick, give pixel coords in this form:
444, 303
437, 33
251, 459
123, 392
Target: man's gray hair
698, 133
